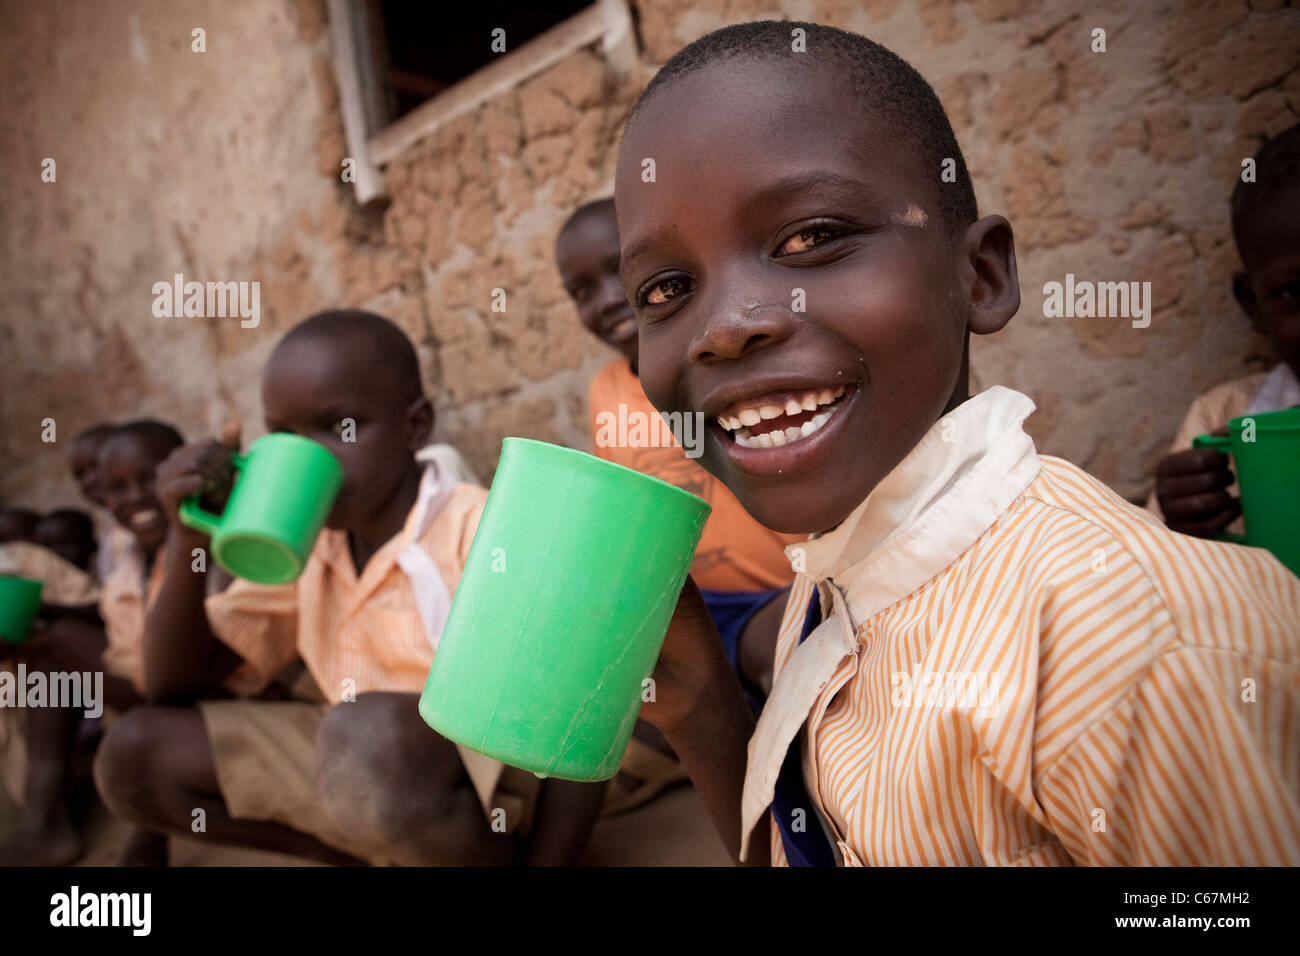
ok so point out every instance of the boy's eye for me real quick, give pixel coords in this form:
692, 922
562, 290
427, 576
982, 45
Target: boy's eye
808, 238
1288, 292
581, 294
665, 289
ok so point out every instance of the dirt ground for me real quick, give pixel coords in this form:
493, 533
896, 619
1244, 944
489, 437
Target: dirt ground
673, 830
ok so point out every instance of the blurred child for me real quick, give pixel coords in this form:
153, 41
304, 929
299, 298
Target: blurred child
357, 776
17, 524
988, 657
68, 533
112, 540
73, 644
1195, 491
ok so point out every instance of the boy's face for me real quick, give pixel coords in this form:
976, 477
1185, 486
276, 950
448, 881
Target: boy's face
1269, 242
126, 477
66, 538
310, 386
587, 254
85, 454
791, 250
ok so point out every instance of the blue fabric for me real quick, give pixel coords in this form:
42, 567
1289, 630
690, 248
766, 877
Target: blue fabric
731, 612
809, 848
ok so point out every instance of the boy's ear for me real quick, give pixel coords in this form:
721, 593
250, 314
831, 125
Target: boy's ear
995, 287
419, 423
1245, 296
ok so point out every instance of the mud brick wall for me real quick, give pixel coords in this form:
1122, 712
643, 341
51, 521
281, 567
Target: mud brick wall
224, 165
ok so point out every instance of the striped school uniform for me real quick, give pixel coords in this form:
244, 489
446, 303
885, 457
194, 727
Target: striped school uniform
996, 660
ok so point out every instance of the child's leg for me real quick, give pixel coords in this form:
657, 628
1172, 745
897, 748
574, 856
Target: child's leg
155, 768
395, 784
45, 834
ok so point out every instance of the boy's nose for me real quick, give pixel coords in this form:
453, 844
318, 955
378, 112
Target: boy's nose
739, 329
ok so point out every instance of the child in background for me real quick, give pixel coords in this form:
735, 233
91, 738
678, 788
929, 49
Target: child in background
1089, 662
1195, 491
357, 775
740, 565
68, 533
112, 540
72, 643
17, 524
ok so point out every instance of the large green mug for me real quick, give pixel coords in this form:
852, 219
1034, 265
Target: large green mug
20, 599
561, 611
284, 492
1265, 449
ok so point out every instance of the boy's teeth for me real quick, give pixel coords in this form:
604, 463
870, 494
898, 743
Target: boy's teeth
740, 423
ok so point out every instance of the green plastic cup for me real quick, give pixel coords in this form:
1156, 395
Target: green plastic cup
561, 611
20, 599
284, 492
1265, 449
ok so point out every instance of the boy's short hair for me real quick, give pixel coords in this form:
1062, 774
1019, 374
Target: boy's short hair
390, 343
99, 432
1277, 171
77, 521
585, 210
166, 436
886, 82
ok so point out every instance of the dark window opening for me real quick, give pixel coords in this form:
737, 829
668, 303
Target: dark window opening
425, 48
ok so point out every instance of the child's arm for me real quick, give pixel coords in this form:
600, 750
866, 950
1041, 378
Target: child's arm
182, 657
566, 811
701, 709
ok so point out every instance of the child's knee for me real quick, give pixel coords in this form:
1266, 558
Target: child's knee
387, 780
123, 766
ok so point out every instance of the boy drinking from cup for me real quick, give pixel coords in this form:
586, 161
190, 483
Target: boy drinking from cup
987, 656
356, 775
1195, 492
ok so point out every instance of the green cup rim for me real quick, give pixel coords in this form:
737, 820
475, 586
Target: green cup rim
694, 500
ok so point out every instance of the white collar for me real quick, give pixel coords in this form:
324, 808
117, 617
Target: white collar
1279, 390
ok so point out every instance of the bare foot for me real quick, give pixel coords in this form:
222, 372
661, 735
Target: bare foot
55, 845
144, 848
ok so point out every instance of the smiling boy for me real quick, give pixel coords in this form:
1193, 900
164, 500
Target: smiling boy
1121, 731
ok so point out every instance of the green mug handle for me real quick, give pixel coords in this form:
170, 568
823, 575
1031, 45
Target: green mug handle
1224, 444
192, 514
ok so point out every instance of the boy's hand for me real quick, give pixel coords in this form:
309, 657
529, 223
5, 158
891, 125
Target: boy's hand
1191, 487
691, 661
202, 468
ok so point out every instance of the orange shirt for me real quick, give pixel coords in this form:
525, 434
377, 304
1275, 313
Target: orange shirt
122, 605
355, 634
1016, 666
735, 552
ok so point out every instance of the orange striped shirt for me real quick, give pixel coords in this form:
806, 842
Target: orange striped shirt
1017, 666
354, 634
